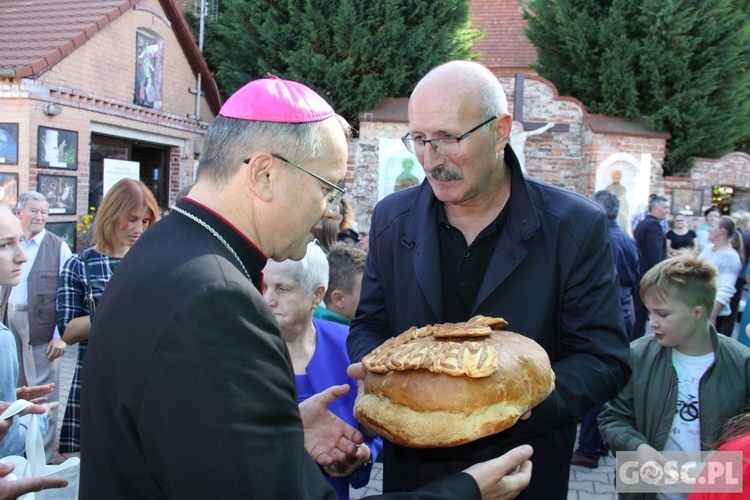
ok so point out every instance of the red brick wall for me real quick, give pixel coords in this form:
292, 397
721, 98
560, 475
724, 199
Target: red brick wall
95, 84
730, 170
567, 159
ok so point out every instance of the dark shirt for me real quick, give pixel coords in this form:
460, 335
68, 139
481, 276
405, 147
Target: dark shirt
348, 236
463, 266
652, 244
625, 253
746, 246
681, 240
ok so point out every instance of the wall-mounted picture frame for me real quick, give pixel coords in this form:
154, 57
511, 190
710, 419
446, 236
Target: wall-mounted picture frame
9, 188
65, 230
60, 191
687, 201
8, 144
149, 70
57, 148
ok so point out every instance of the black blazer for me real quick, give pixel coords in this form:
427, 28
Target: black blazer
188, 390
652, 243
552, 277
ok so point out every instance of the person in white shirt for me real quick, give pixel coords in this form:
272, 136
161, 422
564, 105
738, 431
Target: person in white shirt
711, 214
727, 259
28, 308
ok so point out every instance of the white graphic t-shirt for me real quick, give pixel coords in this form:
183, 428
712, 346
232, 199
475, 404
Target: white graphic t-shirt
685, 433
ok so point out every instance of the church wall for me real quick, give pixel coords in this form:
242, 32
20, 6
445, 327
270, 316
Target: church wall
639, 159
554, 157
732, 170
580, 159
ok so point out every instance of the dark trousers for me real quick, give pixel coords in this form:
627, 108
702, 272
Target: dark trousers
589, 440
590, 443
727, 325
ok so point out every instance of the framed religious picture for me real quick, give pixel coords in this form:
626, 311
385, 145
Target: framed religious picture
8, 144
9, 188
149, 69
57, 148
687, 201
60, 191
66, 231
397, 168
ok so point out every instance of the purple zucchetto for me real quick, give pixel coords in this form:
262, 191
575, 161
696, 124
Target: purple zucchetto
272, 99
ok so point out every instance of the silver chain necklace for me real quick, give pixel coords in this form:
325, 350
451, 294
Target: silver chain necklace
215, 235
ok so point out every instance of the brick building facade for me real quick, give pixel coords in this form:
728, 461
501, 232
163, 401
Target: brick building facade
111, 80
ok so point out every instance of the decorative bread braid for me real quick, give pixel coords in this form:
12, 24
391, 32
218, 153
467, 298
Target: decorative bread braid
412, 350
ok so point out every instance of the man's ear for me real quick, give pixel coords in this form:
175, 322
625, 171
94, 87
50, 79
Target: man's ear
504, 123
318, 293
261, 175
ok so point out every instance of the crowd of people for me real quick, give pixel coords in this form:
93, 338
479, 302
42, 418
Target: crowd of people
220, 349
690, 287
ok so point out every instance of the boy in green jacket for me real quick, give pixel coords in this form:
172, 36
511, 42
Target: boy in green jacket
687, 380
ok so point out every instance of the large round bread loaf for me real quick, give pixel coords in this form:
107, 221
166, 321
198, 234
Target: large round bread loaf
421, 408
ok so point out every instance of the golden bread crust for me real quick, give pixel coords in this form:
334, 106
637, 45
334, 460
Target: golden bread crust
420, 408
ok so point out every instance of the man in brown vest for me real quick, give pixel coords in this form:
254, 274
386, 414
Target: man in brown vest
29, 307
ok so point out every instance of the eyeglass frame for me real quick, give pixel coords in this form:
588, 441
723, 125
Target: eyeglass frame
337, 193
406, 138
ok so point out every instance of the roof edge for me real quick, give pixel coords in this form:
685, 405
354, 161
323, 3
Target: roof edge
738, 154
389, 109
636, 128
193, 54
41, 66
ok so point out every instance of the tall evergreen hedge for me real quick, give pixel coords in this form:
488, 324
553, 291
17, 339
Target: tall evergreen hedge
680, 64
352, 52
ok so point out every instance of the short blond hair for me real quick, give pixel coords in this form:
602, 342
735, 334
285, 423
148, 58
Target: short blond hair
685, 277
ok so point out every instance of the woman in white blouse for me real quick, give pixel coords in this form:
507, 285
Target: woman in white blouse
725, 255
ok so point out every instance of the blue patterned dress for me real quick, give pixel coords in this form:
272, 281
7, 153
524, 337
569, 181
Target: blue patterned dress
71, 303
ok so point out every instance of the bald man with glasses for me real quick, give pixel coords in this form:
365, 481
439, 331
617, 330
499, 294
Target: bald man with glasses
480, 238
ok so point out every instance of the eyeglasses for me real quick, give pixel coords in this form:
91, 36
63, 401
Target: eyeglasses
446, 146
334, 197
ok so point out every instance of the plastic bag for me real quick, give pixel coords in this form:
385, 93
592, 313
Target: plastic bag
35, 465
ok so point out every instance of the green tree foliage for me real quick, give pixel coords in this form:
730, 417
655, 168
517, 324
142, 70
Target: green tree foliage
352, 52
681, 64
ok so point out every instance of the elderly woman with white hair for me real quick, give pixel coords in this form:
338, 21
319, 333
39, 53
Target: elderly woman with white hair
317, 348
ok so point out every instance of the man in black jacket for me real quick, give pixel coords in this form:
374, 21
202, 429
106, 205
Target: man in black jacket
652, 247
481, 238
